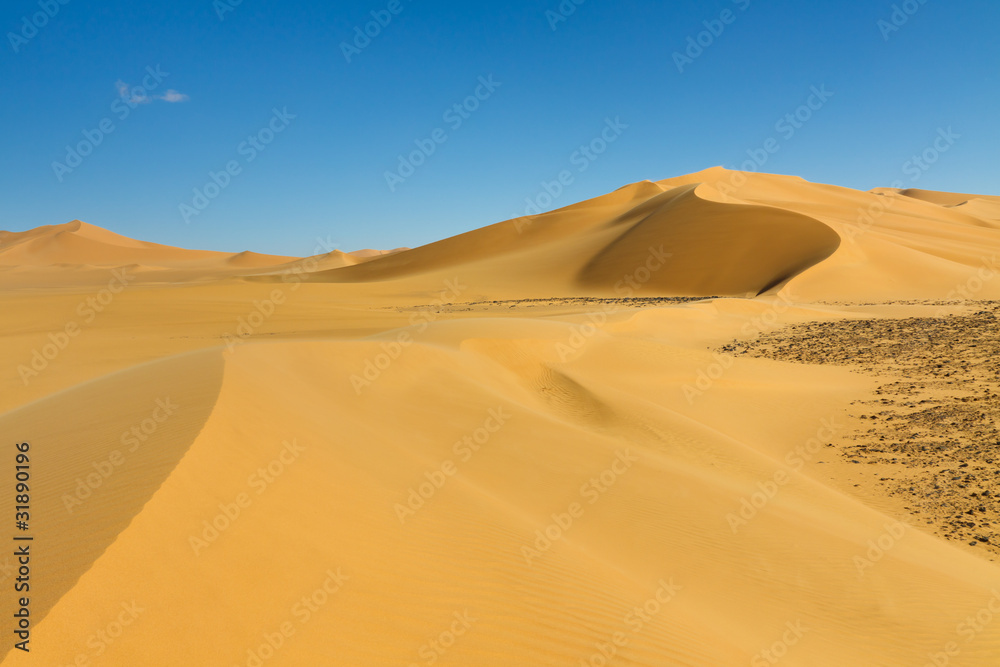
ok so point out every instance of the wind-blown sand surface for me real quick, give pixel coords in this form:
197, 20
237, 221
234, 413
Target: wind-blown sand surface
531, 444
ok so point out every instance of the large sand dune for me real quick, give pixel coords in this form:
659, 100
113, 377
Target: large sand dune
481, 451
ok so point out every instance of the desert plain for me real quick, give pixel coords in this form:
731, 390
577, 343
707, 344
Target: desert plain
721, 419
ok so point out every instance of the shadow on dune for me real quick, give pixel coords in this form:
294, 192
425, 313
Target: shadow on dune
714, 248
91, 474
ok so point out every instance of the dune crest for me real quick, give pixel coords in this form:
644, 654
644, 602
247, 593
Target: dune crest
712, 233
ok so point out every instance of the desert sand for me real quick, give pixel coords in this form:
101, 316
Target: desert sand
722, 419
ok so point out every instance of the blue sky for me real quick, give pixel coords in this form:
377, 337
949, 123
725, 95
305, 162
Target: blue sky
232, 77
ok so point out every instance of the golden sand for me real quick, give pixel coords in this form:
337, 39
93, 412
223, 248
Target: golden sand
509, 447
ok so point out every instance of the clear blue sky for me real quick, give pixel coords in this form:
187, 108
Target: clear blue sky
324, 174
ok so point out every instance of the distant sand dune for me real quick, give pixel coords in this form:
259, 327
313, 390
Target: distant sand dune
945, 198
80, 243
727, 233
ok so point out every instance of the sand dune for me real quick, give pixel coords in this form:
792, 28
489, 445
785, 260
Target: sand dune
713, 248
401, 459
729, 234
80, 243
249, 259
944, 198
726, 234
369, 253
982, 208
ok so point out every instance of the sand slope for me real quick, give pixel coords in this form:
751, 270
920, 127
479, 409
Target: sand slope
332, 505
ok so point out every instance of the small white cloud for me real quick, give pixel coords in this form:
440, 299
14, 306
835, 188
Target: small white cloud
138, 95
173, 96
132, 96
